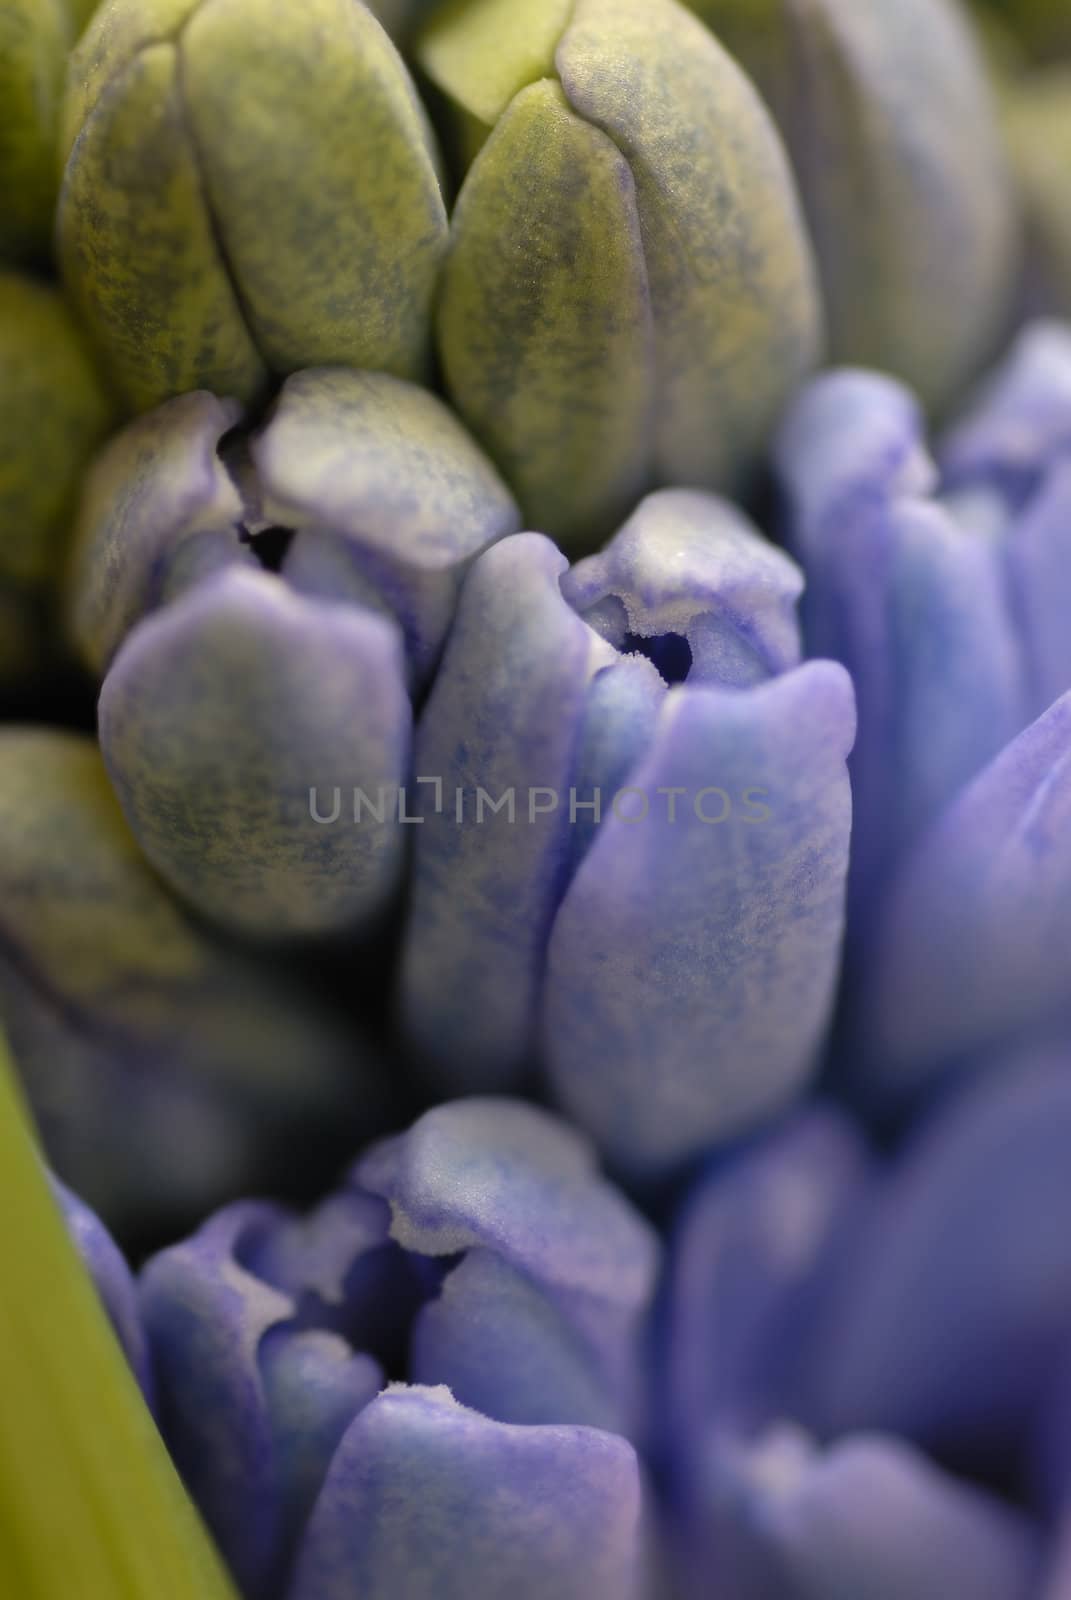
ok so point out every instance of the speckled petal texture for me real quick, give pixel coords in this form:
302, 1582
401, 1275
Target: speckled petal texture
692, 963
503, 716
391, 498
611, 346
155, 496
432, 1501
187, 211
258, 832
892, 130
251, 1404
542, 1320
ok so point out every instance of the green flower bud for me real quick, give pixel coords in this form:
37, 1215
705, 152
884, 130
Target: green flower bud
239, 199
1038, 120
164, 1065
53, 413
629, 295
889, 121
35, 36
92, 1503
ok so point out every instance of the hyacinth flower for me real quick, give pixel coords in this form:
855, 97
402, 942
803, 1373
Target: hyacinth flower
479, 1256
214, 238
942, 586
207, 657
167, 1068
889, 121
90, 1494
853, 1346
635, 808
53, 414
635, 310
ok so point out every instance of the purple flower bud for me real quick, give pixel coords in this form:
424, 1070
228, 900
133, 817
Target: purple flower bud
480, 1250
541, 1320
697, 923
107, 1266
969, 1234
827, 1318
870, 1516
255, 1390
381, 501
910, 602
753, 1251
190, 716
945, 594
435, 1502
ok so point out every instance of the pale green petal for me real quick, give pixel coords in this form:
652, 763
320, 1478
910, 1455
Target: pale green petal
891, 126
732, 281
249, 186
481, 53
119, 31
53, 412
137, 246
545, 327
320, 173
157, 488
90, 1504
34, 38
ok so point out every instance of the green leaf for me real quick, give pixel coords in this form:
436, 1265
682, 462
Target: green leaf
90, 1503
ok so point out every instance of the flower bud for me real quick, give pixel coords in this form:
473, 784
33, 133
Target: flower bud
431, 1500
114, 998
893, 135
967, 1229
629, 295
53, 413
889, 566
601, 836
244, 709
107, 1266
480, 1250
783, 1326
249, 189
868, 1515
944, 590
271, 710
35, 36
